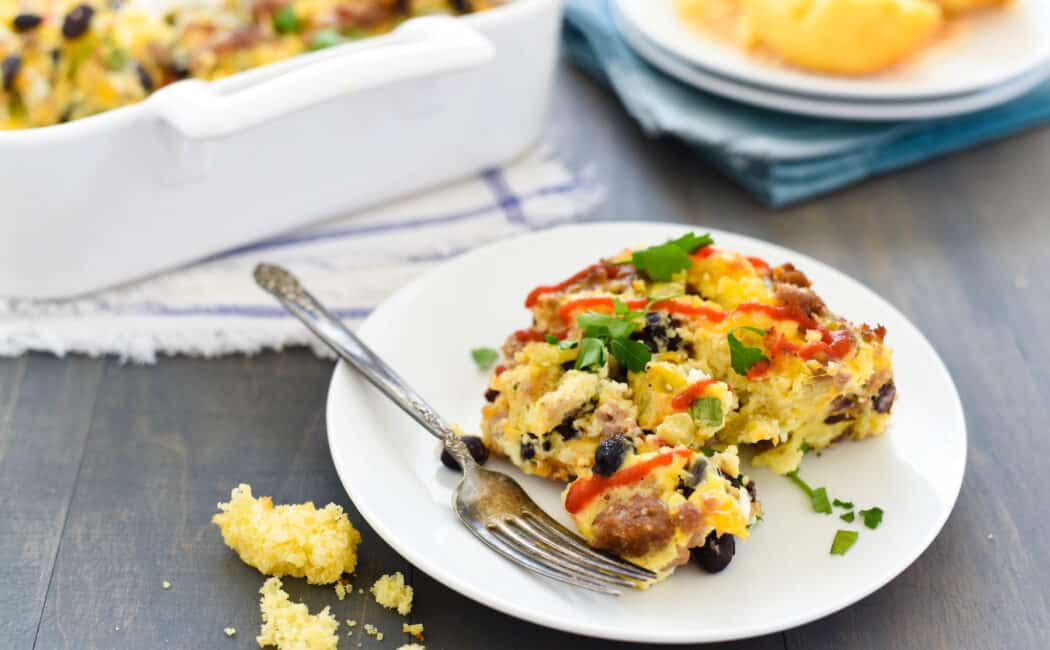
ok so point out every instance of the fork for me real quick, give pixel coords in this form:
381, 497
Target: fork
490, 504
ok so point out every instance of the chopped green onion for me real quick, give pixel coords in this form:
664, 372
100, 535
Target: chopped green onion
326, 38
844, 539
285, 21
707, 411
484, 357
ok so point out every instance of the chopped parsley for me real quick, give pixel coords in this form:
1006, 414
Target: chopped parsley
707, 451
707, 411
848, 505
872, 517
805, 448
742, 356
484, 357
848, 517
592, 353
612, 333
818, 496
664, 260
844, 539
550, 338
564, 345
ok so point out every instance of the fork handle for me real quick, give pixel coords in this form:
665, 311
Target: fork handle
288, 291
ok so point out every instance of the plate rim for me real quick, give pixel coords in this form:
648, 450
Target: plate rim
830, 86
587, 628
813, 106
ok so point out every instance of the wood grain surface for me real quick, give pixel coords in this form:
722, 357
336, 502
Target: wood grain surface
109, 473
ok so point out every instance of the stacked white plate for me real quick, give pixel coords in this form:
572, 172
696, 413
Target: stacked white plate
989, 58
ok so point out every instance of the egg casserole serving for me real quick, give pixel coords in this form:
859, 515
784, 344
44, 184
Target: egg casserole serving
65, 59
848, 37
643, 374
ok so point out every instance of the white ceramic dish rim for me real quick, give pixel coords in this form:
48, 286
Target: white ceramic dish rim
595, 629
830, 87
819, 107
125, 115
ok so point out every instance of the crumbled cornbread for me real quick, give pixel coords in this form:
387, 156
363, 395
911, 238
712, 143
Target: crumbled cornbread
416, 630
411, 646
229, 631
165, 585
342, 589
370, 629
291, 626
392, 592
350, 622
289, 540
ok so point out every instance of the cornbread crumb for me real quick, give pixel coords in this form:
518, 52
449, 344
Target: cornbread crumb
392, 592
350, 622
289, 540
370, 629
379, 636
415, 630
230, 631
342, 589
411, 646
291, 626
165, 585
361, 590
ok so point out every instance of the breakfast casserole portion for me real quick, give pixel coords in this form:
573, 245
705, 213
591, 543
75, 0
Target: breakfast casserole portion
61, 60
642, 374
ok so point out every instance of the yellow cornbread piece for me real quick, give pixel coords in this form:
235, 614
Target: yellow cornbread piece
392, 592
289, 540
290, 626
842, 36
415, 629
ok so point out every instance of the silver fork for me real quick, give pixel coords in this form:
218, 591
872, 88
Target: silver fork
490, 504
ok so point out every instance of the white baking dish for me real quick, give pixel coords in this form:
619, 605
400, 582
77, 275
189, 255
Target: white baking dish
200, 167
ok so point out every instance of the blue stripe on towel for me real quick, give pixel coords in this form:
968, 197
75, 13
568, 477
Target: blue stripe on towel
406, 224
507, 201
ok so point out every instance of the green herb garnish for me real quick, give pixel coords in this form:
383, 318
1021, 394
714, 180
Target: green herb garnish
707, 451
742, 356
844, 539
592, 352
614, 333
116, 59
285, 21
872, 517
326, 38
664, 260
484, 357
707, 411
818, 496
805, 448
848, 505
567, 344
550, 338
848, 517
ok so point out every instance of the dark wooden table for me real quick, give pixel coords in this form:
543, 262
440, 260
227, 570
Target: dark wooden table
109, 473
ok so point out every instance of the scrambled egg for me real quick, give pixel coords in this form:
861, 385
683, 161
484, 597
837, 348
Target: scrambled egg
61, 60
849, 37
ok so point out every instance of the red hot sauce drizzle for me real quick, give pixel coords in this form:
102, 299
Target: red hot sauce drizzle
584, 490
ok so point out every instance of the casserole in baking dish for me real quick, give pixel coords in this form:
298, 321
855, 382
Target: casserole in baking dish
202, 166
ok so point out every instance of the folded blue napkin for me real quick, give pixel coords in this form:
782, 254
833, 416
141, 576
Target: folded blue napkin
779, 157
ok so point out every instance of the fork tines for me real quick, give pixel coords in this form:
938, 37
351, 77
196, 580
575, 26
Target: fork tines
556, 554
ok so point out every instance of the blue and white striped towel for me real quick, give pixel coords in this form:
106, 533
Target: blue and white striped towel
214, 308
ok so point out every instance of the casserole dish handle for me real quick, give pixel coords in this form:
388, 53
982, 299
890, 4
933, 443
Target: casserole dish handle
421, 47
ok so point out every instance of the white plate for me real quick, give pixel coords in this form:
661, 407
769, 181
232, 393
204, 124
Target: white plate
986, 49
820, 107
782, 576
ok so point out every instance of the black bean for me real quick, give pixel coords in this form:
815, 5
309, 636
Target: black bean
716, 553
477, 450
56, 54
9, 69
491, 395
752, 491
567, 431
883, 402
528, 450
659, 333
144, 78
696, 472
77, 21
609, 455
568, 365
26, 22
462, 6
546, 445
838, 417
